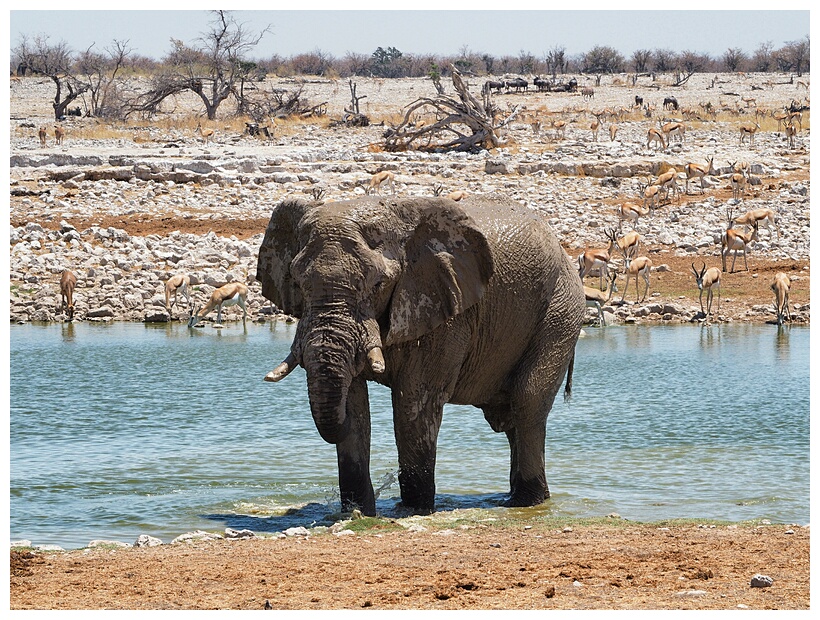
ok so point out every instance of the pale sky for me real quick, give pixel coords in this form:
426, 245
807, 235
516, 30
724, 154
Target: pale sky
499, 32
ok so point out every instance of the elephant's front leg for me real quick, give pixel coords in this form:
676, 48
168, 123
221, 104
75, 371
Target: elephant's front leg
416, 425
353, 454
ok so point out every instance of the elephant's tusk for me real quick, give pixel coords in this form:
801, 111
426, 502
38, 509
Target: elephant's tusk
282, 370
376, 360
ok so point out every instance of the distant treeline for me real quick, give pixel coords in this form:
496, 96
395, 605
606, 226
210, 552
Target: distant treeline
390, 62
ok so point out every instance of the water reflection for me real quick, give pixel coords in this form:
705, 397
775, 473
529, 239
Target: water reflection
67, 331
781, 343
709, 335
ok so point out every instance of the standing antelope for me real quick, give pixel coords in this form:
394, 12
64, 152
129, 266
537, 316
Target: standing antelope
765, 216
640, 266
650, 195
791, 133
595, 297
177, 284
630, 211
735, 241
697, 170
59, 134
749, 130
67, 283
708, 279
381, 177
613, 129
656, 136
594, 127
628, 244
42, 133
206, 134
738, 183
227, 295
780, 287
590, 260
674, 129
669, 179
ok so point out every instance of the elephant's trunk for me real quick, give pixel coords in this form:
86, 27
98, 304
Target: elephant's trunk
330, 360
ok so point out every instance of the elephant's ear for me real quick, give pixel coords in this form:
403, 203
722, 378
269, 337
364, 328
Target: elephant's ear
279, 247
447, 266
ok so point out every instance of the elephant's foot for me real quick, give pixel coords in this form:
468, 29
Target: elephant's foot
366, 504
528, 493
416, 495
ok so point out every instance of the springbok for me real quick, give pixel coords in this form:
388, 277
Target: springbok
377, 179
43, 134
67, 283
206, 134
694, 170
595, 298
780, 287
457, 195
177, 284
767, 217
708, 279
654, 135
749, 130
735, 241
640, 266
229, 294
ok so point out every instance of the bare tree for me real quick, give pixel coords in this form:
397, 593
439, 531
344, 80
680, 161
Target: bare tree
56, 63
462, 124
733, 59
556, 60
213, 70
102, 72
762, 57
640, 60
796, 55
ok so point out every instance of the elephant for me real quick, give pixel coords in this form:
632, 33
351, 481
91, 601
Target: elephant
473, 303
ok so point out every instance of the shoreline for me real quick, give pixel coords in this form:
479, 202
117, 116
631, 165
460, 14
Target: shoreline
603, 563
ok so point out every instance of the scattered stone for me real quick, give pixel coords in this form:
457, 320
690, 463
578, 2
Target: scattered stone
144, 540
297, 531
238, 534
108, 543
195, 536
761, 581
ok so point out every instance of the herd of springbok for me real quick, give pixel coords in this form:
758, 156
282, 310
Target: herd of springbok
624, 247
665, 187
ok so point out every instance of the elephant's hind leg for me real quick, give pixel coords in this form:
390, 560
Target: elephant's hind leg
528, 479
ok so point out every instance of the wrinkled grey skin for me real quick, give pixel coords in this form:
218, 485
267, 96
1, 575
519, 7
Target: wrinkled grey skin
470, 303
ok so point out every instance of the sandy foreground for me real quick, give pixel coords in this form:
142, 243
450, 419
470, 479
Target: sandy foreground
466, 565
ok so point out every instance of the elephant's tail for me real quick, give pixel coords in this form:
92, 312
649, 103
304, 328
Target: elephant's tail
568, 386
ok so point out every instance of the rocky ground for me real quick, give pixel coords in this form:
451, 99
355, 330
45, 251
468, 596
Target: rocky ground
126, 212
460, 564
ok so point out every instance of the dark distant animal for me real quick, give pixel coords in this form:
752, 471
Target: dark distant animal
541, 84
572, 85
492, 85
518, 84
670, 103
638, 101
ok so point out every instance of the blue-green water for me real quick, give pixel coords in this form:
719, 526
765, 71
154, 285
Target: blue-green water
127, 429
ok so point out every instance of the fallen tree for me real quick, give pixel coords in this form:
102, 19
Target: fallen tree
461, 124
